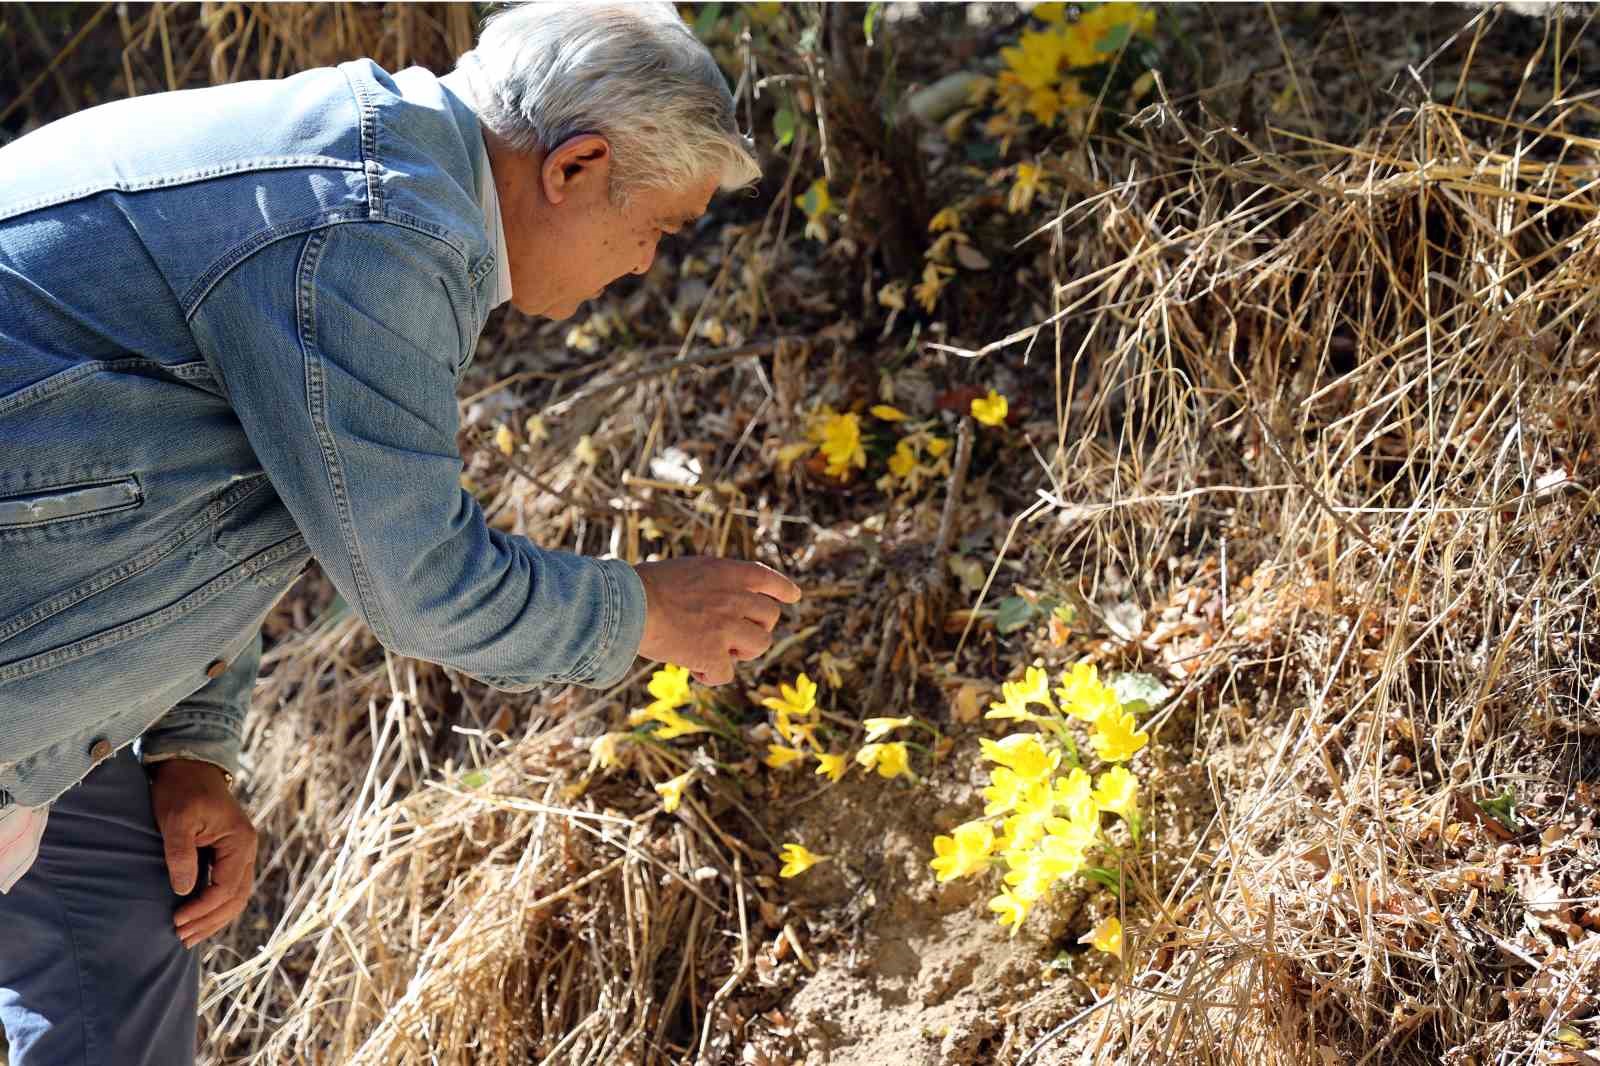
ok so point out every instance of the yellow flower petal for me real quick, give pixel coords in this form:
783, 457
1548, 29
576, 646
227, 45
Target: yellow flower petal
878, 728
887, 413
991, 410
779, 756
1106, 937
797, 860
831, 766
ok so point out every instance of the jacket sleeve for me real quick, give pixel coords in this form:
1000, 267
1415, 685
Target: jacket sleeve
208, 724
339, 352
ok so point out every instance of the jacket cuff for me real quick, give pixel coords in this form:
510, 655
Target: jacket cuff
622, 615
208, 725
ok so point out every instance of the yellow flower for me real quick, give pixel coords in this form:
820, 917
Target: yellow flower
1106, 937
1011, 707
1011, 910
890, 760
797, 860
1058, 857
1115, 739
903, 461
839, 437
800, 700
675, 725
1006, 788
932, 284
779, 756
1033, 688
1050, 12
991, 410
1118, 791
947, 218
1101, 20
1083, 695
831, 766
504, 440
1024, 188
670, 685
1075, 795
1024, 754
1035, 811
965, 851
672, 791
887, 413
1080, 832
877, 728
1035, 62
937, 446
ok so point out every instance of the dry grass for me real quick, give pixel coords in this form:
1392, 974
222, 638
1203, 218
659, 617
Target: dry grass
1350, 390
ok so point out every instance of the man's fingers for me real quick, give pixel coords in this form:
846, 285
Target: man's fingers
749, 641
183, 858
762, 610
232, 876
716, 675
763, 579
222, 903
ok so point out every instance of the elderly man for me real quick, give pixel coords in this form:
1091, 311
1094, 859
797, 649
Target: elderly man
232, 324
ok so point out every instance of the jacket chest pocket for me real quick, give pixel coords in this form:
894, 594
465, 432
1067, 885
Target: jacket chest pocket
43, 507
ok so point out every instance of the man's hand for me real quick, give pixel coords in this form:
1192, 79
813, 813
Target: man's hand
704, 614
194, 809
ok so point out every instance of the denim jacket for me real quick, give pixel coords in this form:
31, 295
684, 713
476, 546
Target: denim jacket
232, 325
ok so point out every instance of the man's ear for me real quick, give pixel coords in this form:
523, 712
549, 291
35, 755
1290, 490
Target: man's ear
578, 164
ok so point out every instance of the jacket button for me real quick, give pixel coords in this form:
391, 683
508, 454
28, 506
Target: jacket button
101, 751
216, 669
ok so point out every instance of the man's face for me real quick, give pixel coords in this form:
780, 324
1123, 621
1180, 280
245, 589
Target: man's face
566, 239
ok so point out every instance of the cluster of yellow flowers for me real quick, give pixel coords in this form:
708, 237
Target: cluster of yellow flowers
794, 717
1036, 77
839, 438
1048, 822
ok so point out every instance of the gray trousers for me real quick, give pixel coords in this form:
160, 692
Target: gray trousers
91, 969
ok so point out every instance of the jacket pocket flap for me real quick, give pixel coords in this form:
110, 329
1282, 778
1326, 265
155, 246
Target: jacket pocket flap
68, 501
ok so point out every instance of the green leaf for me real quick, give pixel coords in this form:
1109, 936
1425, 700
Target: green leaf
811, 202
1114, 39
475, 779
1143, 689
1110, 878
1503, 808
706, 20
783, 126
871, 20
1012, 613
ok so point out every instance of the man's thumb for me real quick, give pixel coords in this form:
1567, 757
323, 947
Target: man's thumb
183, 859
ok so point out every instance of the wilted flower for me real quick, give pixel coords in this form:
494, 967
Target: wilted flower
672, 791
881, 727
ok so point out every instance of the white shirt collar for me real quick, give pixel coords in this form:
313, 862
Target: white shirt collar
494, 226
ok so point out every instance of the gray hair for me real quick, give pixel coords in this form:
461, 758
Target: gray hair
635, 74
